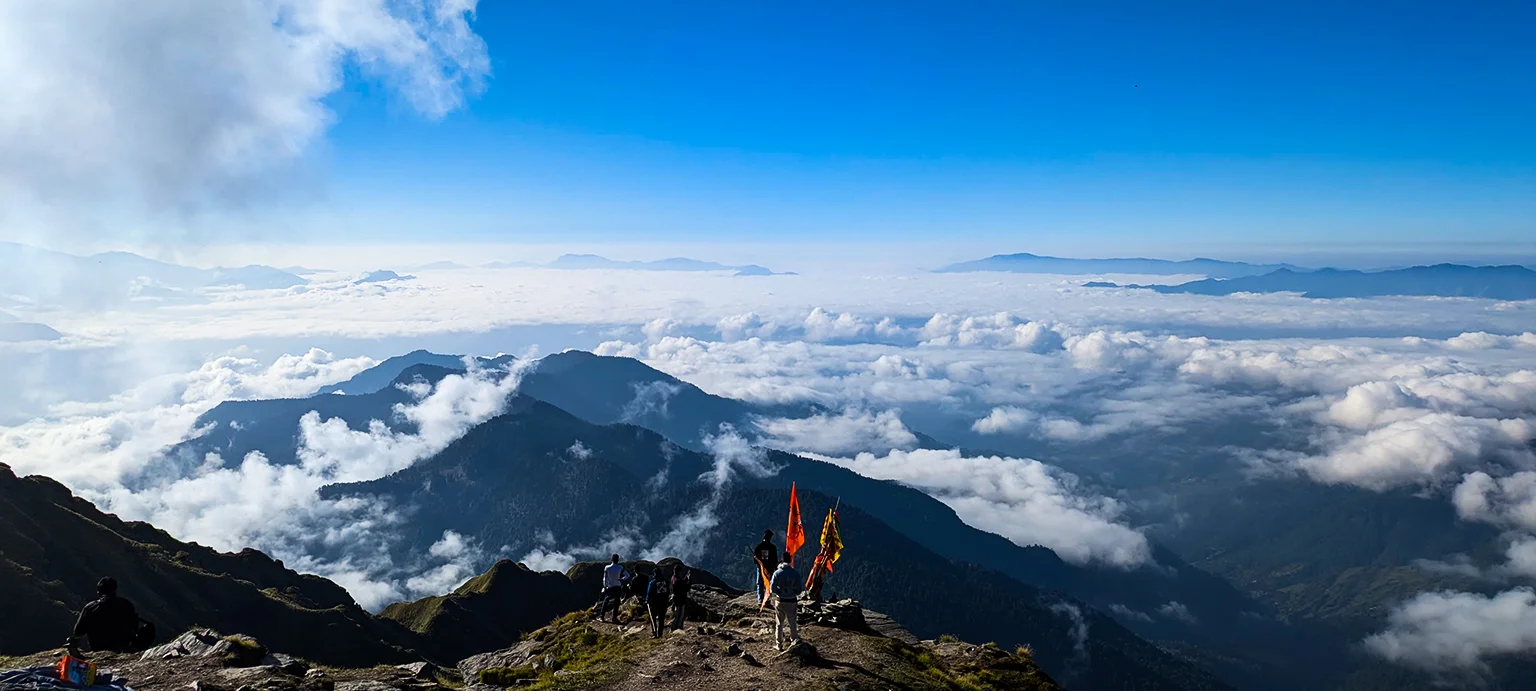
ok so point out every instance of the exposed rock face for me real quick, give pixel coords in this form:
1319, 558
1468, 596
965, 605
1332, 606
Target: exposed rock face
520, 655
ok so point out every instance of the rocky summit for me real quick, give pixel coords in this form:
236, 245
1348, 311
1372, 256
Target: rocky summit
726, 644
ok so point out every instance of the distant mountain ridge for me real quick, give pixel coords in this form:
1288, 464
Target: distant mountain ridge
1027, 263
14, 330
1440, 280
112, 278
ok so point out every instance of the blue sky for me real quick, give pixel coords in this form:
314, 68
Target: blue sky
1022, 124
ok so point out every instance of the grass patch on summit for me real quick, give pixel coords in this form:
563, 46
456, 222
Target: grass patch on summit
583, 656
996, 671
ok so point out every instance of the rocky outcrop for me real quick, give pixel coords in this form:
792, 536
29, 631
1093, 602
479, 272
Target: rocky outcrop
734, 649
205, 660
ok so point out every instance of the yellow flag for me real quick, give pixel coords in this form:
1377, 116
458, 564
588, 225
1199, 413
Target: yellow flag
831, 540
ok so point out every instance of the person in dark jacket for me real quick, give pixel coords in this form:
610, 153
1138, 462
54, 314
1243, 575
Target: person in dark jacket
682, 580
657, 597
640, 586
766, 554
109, 622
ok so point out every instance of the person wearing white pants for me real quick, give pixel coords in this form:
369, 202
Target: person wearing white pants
786, 630
786, 588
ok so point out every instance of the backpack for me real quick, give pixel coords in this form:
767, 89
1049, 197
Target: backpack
144, 636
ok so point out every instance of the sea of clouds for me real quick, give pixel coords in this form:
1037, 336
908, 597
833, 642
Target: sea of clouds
104, 137
1020, 360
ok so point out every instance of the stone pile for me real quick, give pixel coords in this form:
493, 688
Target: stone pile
843, 614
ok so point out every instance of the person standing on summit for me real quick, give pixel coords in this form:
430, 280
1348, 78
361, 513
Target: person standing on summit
614, 578
786, 606
766, 554
682, 581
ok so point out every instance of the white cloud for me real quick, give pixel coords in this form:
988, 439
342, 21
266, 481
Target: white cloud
1006, 419
1521, 557
821, 325
1505, 501
95, 110
847, 433
651, 398
742, 326
462, 561
455, 404
1021, 499
734, 456
1000, 330
656, 329
1176, 610
1422, 450
1124, 612
1450, 630
539, 559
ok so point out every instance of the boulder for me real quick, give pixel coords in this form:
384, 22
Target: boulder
194, 643
287, 664
238, 651
802, 652
419, 670
844, 614
520, 655
246, 676
318, 680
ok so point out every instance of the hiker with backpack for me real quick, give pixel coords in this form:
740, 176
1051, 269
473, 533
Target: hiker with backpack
766, 556
786, 588
110, 623
657, 597
615, 578
682, 580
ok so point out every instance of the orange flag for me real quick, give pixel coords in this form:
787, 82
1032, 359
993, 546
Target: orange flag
794, 537
767, 586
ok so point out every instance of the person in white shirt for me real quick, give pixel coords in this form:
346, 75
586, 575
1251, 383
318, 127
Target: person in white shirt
614, 580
